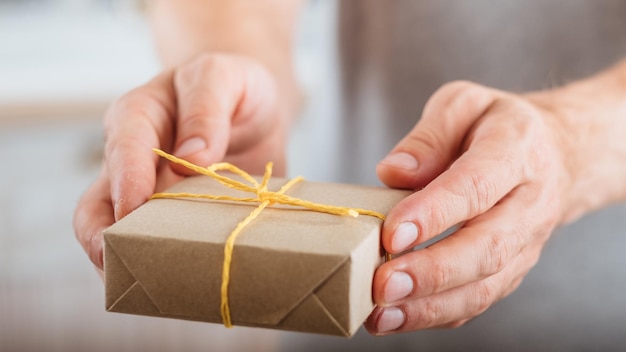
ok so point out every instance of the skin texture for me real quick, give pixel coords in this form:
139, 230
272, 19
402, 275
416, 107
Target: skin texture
510, 168
227, 92
507, 168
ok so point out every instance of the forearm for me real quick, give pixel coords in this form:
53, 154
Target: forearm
263, 30
592, 115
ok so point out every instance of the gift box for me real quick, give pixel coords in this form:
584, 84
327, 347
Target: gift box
291, 268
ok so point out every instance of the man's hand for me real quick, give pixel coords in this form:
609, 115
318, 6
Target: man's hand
508, 169
228, 93
213, 108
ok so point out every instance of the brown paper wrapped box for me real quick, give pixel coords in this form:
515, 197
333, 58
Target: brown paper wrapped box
292, 268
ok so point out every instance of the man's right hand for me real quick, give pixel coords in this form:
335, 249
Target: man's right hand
214, 107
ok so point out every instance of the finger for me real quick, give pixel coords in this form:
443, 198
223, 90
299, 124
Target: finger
482, 248
465, 302
255, 159
496, 161
221, 102
136, 123
436, 139
458, 323
457, 305
93, 215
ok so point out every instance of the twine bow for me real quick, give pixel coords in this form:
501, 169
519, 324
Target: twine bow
263, 196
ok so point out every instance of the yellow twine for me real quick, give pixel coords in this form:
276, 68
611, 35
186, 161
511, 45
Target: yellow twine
263, 196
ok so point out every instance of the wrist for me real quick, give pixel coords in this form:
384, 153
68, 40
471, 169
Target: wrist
262, 31
589, 120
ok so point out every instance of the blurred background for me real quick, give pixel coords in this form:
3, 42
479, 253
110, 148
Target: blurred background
63, 61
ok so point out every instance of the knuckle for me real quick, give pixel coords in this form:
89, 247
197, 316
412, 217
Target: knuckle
475, 192
115, 112
431, 141
115, 148
436, 219
486, 295
133, 100
481, 192
498, 253
454, 96
462, 95
528, 129
140, 104
428, 314
440, 274
131, 117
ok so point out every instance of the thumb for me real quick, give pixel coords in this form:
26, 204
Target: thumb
437, 138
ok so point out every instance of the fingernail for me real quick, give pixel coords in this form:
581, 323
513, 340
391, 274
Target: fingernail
390, 319
405, 235
117, 209
399, 285
191, 146
401, 161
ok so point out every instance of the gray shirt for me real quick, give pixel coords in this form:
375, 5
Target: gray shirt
390, 57
395, 54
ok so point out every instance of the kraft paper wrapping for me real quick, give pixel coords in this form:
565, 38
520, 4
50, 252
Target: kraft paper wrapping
292, 269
